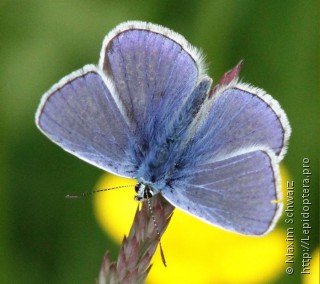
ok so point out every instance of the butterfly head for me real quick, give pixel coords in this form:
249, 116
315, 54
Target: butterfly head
143, 191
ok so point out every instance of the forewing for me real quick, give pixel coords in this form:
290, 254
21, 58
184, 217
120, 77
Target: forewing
81, 115
154, 70
241, 117
239, 194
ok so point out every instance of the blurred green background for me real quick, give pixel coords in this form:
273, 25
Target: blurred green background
45, 238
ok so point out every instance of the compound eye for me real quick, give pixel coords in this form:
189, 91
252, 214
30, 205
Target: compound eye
136, 187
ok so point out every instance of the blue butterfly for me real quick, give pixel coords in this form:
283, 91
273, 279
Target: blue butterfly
148, 112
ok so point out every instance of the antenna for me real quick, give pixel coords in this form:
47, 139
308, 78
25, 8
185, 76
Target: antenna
85, 194
157, 231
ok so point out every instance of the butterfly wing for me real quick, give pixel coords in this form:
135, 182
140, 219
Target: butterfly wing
82, 116
228, 175
239, 193
107, 115
241, 116
154, 70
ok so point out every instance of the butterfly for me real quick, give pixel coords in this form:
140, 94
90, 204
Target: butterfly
148, 111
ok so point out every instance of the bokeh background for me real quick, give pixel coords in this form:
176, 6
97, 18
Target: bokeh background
45, 238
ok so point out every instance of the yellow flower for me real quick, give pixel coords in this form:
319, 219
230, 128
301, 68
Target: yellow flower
195, 251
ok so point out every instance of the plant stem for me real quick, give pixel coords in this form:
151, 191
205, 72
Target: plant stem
133, 263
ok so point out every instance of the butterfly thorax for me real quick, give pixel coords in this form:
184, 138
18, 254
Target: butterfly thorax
166, 147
